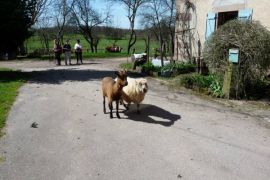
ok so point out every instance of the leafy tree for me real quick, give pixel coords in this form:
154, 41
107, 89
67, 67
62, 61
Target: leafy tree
14, 26
253, 42
17, 17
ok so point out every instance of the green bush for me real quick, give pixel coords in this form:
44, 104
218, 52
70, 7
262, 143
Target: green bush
183, 68
253, 42
211, 83
148, 67
37, 53
215, 87
177, 68
195, 81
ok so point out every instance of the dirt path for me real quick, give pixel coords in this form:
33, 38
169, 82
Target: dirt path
177, 135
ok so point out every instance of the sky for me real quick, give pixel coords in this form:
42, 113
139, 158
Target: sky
118, 11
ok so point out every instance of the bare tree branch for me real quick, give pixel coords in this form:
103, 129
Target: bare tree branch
36, 8
159, 16
87, 18
132, 7
63, 11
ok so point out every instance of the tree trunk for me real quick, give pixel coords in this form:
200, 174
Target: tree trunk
161, 49
132, 40
91, 44
172, 44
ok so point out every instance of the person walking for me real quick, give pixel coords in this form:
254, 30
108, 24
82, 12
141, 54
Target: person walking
67, 52
78, 51
57, 48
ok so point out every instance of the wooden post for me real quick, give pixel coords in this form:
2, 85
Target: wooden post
226, 89
177, 50
148, 47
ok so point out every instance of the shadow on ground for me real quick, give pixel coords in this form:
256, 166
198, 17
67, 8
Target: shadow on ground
9, 76
150, 113
58, 76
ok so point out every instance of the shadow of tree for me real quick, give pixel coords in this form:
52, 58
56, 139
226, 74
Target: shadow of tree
150, 114
58, 76
8, 76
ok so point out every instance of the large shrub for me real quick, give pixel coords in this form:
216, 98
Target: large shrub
253, 42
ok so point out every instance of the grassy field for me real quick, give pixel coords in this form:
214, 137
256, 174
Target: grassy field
34, 43
10, 82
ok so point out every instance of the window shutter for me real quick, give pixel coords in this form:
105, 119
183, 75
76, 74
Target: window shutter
245, 14
210, 24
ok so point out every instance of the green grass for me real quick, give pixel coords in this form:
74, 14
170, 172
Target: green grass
10, 82
127, 66
34, 43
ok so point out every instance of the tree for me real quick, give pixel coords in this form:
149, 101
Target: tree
40, 21
158, 17
35, 8
132, 7
14, 26
113, 33
253, 42
87, 18
170, 23
63, 10
17, 18
43, 31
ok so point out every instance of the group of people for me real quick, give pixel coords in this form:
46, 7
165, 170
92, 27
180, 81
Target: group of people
66, 49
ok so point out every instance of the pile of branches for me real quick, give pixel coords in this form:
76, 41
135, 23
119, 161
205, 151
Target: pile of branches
253, 42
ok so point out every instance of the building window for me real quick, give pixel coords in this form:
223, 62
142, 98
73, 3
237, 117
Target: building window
224, 17
215, 20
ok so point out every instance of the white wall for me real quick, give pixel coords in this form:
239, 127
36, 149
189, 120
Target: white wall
261, 11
